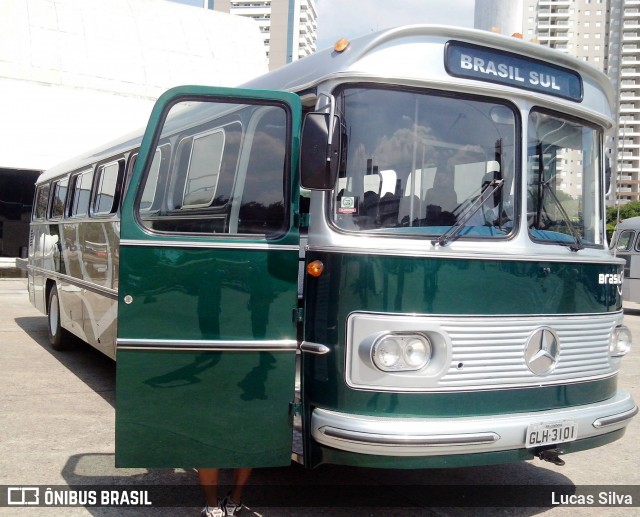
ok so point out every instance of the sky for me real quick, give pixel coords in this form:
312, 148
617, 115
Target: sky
352, 18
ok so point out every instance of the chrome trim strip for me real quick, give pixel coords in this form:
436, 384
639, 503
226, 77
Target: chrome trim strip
283, 345
490, 317
435, 436
314, 348
210, 244
107, 291
615, 419
445, 253
420, 440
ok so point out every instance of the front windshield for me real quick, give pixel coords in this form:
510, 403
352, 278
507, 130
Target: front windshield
563, 165
425, 163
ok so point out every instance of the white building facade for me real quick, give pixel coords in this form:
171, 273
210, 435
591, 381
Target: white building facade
75, 74
288, 27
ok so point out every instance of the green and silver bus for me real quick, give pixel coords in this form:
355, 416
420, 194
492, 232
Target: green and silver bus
625, 244
387, 254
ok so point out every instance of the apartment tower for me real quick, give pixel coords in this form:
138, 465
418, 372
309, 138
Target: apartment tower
606, 34
288, 26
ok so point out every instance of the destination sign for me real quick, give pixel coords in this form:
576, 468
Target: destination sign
497, 66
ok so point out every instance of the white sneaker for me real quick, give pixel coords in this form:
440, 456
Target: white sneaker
212, 512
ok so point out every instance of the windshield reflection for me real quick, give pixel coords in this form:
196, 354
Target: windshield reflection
563, 167
425, 164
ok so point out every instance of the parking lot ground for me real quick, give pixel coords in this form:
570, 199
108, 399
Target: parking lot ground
57, 429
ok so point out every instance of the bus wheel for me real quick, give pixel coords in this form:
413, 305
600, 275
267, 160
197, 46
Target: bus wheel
59, 338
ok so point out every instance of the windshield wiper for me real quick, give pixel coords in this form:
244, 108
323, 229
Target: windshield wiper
468, 213
578, 245
542, 185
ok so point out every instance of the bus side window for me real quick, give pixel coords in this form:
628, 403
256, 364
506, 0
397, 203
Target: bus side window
148, 201
41, 202
60, 188
108, 179
204, 166
81, 193
625, 241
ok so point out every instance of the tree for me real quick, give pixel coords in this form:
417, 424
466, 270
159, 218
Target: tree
627, 210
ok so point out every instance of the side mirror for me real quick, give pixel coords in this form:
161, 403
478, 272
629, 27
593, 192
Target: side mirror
320, 151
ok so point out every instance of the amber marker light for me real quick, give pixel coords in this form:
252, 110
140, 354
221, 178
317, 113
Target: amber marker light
341, 45
315, 268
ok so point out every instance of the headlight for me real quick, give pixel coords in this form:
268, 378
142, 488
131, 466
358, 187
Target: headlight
386, 353
416, 352
620, 342
401, 352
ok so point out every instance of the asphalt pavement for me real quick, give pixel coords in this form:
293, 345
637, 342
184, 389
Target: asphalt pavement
57, 429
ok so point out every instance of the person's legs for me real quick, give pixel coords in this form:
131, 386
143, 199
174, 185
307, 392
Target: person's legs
209, 482
240, 478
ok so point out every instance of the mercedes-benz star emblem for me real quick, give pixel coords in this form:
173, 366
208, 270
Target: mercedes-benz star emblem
542, 351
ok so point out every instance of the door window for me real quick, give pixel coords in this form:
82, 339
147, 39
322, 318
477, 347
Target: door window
225, 170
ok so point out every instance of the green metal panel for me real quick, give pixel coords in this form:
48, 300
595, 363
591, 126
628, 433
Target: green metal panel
414, 285
203, 409
211, 294
213, 396
461, 287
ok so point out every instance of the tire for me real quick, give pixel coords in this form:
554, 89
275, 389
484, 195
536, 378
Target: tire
59, 338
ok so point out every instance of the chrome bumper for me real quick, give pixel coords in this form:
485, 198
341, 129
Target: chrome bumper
385, 436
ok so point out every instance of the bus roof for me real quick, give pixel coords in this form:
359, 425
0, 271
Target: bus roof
396, 53
631, 222
357, 58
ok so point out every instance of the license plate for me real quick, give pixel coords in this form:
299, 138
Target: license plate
550, 433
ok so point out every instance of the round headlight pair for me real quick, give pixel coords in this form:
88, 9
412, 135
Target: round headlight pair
401, 352
620, 342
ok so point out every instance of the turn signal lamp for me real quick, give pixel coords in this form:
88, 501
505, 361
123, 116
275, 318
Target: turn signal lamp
341, 45
315, 268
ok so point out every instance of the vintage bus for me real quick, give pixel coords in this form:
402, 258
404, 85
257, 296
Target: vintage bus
625, 244
388, 254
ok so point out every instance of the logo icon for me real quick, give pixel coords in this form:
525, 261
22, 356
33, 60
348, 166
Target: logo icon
542, 351
23, 496
348, 202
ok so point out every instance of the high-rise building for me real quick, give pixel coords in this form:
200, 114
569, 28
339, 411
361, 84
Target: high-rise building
288, 26
628, 67
606, 34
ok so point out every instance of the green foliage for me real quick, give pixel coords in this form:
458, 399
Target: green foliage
628, 210
631, 209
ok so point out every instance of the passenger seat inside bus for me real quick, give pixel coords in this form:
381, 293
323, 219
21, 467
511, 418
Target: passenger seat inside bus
441, 200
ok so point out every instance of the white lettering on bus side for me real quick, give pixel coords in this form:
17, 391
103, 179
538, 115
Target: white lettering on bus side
610, 279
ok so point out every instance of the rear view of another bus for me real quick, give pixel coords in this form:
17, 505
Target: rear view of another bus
626, 245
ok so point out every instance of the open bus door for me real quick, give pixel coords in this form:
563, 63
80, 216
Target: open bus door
208, 283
